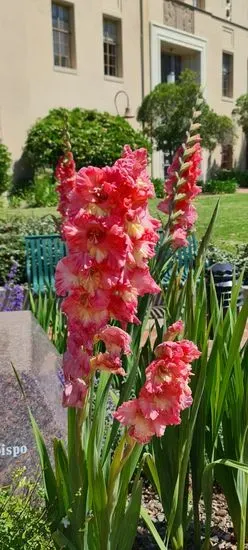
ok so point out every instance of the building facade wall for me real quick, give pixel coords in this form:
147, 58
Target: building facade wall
30, 85
220, 35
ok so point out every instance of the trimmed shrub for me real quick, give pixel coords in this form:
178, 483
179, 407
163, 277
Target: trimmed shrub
12, 244
96, 138
158, 187
218, 186
5, 162
241, 177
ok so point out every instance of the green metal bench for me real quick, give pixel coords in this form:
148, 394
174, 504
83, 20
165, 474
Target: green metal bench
44, 251
42, 255
185, 258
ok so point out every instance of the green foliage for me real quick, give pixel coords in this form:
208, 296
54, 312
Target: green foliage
40, 192
241, 112
216, 187
5, 162
158, 187
238, 258
15, 201
214, 428
46, 309
241, 177
12, 243
23, 521
89, 487
216, 425
43, 192
97, 138
167, 110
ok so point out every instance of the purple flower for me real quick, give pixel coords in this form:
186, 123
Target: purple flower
13, 292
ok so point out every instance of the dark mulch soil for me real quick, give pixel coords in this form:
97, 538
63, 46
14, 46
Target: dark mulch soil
222, 535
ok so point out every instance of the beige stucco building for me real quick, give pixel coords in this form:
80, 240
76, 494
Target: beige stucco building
82, 52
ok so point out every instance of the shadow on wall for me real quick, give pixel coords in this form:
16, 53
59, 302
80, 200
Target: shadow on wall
212, 167
242, 163
23, 174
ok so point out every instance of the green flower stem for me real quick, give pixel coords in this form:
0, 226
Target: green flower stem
121, 455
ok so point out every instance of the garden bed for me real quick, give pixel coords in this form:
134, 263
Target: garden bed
222, 534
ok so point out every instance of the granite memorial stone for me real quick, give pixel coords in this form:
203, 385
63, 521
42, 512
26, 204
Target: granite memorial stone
24, 343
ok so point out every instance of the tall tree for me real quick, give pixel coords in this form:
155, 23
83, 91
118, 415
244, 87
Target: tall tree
165, 114
241, 112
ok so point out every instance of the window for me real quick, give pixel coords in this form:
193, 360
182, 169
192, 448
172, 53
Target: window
227, 74
112, 49
171, 67
63, 35
227, 157
199, 4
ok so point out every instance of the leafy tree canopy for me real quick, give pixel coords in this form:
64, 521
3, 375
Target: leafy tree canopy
241, 112
166, 112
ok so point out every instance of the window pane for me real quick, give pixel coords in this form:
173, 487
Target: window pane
56, 60
112, 47
110, 30
55, 11
61, 35
227, 75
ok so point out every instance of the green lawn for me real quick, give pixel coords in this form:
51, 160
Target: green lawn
231, 225
7, 213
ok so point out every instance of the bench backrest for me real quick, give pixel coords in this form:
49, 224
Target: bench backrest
186, 255
42, 255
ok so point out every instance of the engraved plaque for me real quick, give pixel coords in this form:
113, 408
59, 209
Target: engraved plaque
24, 343
178, 16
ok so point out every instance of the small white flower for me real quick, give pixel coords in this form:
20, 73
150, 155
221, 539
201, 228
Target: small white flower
65, 522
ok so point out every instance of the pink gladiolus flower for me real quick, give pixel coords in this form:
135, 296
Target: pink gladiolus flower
110, 237
102, 239
140, 428
142, 280
108, 362
179, 238
66, 176
86, 308
76, 362
74, 393
115, 339
190, 351
166, 391
174, 331
162, 404
69, 270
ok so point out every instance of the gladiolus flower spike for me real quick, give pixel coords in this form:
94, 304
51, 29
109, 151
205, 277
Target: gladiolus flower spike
110, 238
166, 391
180, 187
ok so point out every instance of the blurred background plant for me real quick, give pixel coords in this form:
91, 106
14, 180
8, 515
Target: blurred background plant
23, 520
218, 186
5, 163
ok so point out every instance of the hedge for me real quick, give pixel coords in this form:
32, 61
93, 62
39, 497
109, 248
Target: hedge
96, 138
12, 244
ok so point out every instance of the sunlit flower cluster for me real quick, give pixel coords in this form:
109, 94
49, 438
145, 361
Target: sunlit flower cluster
110, 237
166, 391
